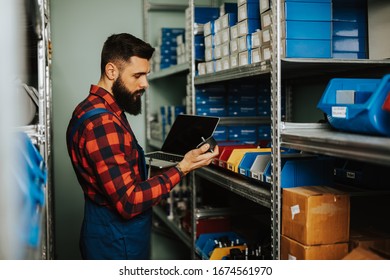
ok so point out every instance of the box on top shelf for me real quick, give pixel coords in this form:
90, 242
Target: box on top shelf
265, 5
225, 8
310, 11
315, 215
228, 20
366, 114
249, 11
203, 15
248, 26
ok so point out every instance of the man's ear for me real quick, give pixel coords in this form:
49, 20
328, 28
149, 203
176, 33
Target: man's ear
111, 71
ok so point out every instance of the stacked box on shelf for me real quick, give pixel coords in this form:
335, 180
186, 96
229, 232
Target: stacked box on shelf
166, 50
262, 38
211, 101
307, 29
248, 18
181, 49
349, 29
217, 40
202, 16
315, 223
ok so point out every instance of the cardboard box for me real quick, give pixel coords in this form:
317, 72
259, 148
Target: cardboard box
360, 253
293, 250
369, 239
316, 215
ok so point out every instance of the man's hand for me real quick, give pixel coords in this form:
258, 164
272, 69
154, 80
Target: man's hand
197, 158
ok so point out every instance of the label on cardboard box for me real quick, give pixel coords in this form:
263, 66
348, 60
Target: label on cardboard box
294, 211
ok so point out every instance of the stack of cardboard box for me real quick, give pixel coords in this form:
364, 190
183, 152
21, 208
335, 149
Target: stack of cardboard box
315, 223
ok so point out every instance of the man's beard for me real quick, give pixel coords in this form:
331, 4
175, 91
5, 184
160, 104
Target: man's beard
128, 101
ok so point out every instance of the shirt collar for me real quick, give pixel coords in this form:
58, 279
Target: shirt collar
101, 92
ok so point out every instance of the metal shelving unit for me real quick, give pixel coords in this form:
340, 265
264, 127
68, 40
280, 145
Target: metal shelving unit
312, 138
253, 191
322, 139
40, 129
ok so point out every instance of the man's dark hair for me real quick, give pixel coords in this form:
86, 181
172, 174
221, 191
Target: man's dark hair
120, 47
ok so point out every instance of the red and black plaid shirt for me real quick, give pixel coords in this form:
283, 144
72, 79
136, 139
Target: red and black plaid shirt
105, 158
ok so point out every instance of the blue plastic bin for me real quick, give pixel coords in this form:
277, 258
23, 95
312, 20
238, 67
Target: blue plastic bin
366, 117
31, 176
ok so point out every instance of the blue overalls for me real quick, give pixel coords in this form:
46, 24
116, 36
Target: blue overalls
104, 233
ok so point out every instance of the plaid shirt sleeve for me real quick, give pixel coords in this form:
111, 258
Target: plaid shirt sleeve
110, 153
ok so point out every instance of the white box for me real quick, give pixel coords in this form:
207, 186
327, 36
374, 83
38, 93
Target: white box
218, 38
209, 54
225, 35
210, 67
234, 32
234, 46
234, 60
265, 19
242, 13
202, 68
218, 65
218, 52
243, 58
257, 39
265, 5
225, 49
225, 63
266, 52
217, 24
209, 41
256, 55
243, 43
266, 36
207, 28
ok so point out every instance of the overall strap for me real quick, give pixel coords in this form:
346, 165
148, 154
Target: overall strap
97, 111
85, 116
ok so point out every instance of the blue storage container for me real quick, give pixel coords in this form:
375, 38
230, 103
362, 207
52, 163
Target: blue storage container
31, 177
308, 48
205, 243
303, 171
318, 11
363, 116
301, 29
247, 161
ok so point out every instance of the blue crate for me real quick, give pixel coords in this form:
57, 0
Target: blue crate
205, 243
308, 11
308, 48
242, 110
221, 133
302, 29
312, 171
244, 167
363, 117
30, 174
214, 111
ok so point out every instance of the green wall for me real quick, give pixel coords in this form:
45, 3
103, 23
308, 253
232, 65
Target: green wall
78, 30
